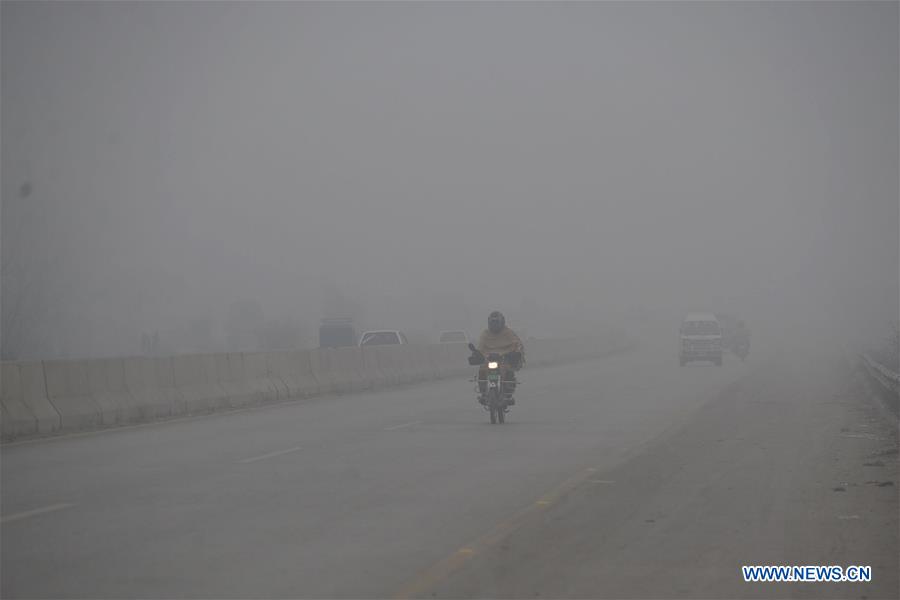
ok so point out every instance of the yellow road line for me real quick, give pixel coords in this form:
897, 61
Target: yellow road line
438, 572
442, 569
34, 513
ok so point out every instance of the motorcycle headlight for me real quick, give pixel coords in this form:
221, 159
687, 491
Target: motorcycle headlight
493, 365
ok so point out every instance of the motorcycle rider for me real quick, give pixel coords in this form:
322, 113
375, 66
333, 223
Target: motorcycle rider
499, 339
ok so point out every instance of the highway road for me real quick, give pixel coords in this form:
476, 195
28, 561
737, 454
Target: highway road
622, 477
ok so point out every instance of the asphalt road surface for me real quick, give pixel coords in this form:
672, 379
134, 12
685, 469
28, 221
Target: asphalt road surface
623, 477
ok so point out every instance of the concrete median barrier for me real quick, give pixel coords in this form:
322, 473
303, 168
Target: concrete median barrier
347, 367
151, 383
195, 378
18, 420
436, 359
372, 370
233, 381
408, 366
293, 369
319, 361
455, 359
69, 392
428, 368
425, 369
257, 377
106, 383
61, 396
338, 369
271, 362
401, 359
34, 395
412, 363
386, 359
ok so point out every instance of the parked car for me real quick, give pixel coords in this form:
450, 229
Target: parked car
334, 333
447, 337
700, 338
382, 338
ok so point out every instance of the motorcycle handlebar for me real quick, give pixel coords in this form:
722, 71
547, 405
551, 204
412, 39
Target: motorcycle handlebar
510, 358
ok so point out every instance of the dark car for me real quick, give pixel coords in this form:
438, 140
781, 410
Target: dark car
335, 333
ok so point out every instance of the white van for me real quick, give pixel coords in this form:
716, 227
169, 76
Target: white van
700, 338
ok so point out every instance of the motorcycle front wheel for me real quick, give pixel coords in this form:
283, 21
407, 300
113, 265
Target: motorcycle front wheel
494, 404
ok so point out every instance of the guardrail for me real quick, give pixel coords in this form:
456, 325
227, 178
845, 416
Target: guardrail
887, 378
60, 396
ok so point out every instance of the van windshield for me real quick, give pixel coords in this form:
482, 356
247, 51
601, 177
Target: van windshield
379, 338
700, 328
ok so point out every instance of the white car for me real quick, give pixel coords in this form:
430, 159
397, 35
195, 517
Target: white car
449, 337
382, 337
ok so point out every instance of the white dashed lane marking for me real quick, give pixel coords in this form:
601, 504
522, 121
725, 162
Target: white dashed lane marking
269, 455
402, 425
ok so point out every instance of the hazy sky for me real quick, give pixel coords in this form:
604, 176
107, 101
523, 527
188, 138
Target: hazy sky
593, 159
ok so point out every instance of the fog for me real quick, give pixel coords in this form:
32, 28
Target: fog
579, 166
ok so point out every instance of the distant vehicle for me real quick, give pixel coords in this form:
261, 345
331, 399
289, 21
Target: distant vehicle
453, 336
335, 333
700, 338
728, 323
382, 338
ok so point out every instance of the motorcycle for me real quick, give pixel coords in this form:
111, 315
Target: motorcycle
495, 391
